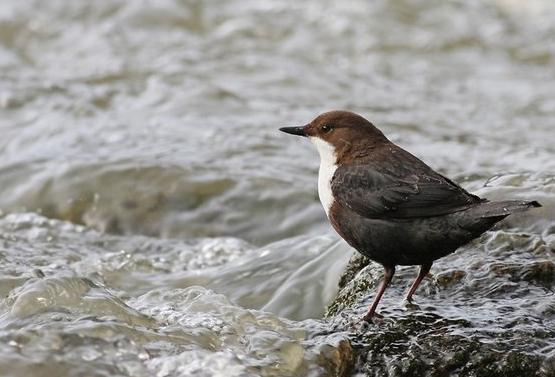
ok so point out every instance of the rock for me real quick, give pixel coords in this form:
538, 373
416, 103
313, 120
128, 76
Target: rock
486, 310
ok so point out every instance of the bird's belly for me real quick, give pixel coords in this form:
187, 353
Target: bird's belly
399, 242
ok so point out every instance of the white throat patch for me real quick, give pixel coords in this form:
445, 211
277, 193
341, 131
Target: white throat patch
328, 165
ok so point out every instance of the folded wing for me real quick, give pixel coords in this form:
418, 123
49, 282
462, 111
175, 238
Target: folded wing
375, 193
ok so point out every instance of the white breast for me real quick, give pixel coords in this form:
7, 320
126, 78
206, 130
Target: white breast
328, 165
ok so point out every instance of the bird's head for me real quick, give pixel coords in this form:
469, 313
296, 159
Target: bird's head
342, 134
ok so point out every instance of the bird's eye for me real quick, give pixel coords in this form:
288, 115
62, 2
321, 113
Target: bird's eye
326, 128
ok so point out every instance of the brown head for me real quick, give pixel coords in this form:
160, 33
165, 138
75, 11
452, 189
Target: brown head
346, 135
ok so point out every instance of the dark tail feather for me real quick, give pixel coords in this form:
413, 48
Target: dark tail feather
482, 217
505, 208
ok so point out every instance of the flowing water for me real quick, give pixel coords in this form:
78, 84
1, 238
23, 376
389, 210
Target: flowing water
153, 220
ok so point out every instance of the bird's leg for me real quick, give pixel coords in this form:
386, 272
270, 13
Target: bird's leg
388, 275
424, 269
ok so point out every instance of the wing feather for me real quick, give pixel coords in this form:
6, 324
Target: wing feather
379, 194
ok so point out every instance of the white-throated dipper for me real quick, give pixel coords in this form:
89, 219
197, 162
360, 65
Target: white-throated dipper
389, 205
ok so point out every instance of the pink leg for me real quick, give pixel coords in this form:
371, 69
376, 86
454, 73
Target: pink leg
424, 269
389, 272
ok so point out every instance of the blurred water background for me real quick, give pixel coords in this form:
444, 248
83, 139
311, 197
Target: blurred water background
153, 220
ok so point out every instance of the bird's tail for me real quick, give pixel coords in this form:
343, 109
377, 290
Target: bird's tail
482, 217
505, 207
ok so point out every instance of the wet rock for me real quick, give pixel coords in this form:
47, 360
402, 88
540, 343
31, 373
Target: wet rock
338, 360
484, 311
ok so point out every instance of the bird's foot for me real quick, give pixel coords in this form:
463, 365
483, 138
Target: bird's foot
410, 304
367, 321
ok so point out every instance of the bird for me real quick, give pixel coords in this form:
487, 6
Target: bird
388, 204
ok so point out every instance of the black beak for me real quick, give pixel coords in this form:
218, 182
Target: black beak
294, 130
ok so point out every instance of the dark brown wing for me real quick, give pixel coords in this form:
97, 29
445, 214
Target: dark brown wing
376, 194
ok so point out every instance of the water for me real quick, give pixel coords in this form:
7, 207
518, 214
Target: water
154, 222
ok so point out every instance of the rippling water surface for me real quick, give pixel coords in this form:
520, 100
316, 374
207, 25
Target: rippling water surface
154, 222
